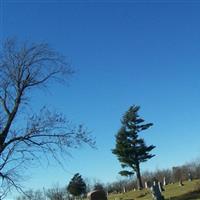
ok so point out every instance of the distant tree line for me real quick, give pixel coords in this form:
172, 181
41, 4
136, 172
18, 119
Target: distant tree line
77, 188
184, 172
82, 186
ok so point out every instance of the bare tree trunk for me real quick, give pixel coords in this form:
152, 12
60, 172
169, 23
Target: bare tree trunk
139, 179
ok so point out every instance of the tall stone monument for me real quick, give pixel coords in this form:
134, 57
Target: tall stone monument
156, 191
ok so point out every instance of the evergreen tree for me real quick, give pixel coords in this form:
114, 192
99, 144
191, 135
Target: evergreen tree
77, 185
130, 149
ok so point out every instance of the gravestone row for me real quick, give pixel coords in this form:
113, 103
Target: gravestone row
156, 190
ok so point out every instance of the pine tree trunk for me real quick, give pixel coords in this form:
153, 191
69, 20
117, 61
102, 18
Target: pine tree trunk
139, 179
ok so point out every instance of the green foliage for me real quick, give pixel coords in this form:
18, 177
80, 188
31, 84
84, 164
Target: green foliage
77, 185
130, 149
126, 173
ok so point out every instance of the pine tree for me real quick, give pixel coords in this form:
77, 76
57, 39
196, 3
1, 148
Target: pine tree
130, 149
77, 185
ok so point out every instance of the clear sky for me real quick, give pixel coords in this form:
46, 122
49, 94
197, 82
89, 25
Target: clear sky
125, 53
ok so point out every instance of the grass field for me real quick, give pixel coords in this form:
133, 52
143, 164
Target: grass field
190, 191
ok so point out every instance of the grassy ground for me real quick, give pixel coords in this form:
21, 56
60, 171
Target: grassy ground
190, 191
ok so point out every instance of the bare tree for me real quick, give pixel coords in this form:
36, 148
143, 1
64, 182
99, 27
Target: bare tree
26, 138
56, 193
32, 195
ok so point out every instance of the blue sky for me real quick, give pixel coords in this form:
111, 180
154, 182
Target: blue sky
124, 53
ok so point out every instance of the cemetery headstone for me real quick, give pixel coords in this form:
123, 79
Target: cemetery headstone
160, 187
189, 176
164, 181
124, 189
146, 184
97, 195
156, 191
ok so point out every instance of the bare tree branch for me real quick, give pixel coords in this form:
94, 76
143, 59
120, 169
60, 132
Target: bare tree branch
23, 68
